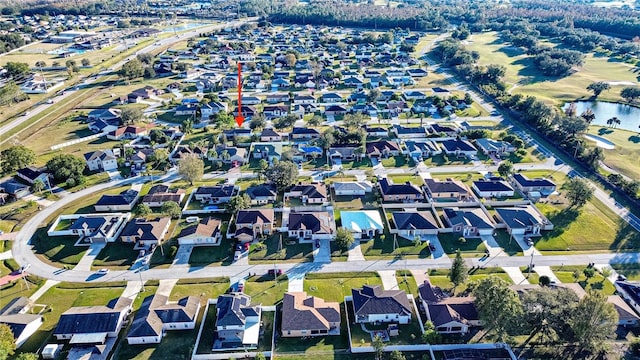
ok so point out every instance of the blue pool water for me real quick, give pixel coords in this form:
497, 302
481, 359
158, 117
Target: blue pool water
211, 207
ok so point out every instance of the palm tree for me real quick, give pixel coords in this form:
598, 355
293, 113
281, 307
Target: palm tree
613, 122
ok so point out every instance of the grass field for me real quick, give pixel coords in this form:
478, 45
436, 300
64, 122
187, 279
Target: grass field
625, 158
205, 288
524, 78
440, 278
335, 286
266, 292
598, 282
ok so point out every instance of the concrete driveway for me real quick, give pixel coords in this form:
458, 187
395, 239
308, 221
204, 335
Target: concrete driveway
355, 253
433, 240
546, 271
389, 280
516, 275
526, 249
493, 246
323, 253
182, 256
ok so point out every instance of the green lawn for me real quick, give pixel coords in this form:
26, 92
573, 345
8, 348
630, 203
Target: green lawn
598, 282
15, 214
407, 282
212, 255
382, 246
117, 255
58, 249
205, 288
368, 201
626, 156
523, 77
594, 227
401, 179
509, 245
440, 278
399, 161
266, 291
631, 271
532, 276
408, 334
335, 286
468, 248
270, 250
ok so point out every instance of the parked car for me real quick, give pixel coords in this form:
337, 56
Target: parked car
241, 285
103, 271
622, 277
274, 272
24, 268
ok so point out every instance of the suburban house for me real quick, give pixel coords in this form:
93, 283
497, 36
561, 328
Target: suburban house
304, 315
526, 186
254, 223
32, 174
23, 325
160, 194
262, 194
218, 194
523, 220
343, 152
270, 135
447, 130
144, 93
351, 188
206, 232
299, 133
92, 228
494, 147
449, 189
93, 329
422, 150
382, 149
414, 224
459, 148
630, 292
311, 225
449, 315
101, 160
106, 115
212, 108
237, 322
267, 151
372, 304
145, 233
125, 201
157, 315
469, 222
363, 224
399, 192
275, 111
229, 155
492, 188
183, 151
626, 315
314, 193
129, 132
406, 132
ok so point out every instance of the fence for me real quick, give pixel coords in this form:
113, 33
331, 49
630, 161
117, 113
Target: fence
77, 141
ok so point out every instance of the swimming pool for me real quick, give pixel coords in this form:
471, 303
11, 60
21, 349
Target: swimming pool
63, 50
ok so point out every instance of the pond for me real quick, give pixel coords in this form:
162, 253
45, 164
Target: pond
629, 116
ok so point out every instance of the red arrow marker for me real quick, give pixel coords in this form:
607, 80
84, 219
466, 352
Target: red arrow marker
239, 117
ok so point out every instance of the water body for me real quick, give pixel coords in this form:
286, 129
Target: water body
629, 116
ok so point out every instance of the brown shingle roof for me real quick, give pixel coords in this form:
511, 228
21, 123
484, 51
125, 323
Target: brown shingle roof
302, 312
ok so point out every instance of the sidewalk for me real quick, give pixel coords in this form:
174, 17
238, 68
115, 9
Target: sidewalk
47, 285
516, 275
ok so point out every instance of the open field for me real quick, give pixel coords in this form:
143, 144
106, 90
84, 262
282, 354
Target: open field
524, 78
625, 158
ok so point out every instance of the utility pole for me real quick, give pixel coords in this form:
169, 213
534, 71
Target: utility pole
530, 265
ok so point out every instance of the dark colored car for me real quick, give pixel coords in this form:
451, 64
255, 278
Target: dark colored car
274, 272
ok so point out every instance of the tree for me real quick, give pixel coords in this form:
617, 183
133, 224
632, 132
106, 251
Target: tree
315, 120
27, 356
7, 342
354, 121
291, 59
505, 169
41, 64
16, 157
10, 92
85, 62
546, 311
130, 115
594, 321
37, 186
378, 347
282, 175
630, 93
257, 122
16, 69
613, 122
589, 272
598, 87
498, 305
593, 157
238, 202
142, 210
158, 136
458, 273
544, 280
191, 168
65, 167
578, 192
149, 72
588, 116
430, 335
171, 209
260, 356
344, 238
132, 69
396, 355
284, 122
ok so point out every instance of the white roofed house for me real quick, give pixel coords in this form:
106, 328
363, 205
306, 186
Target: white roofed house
351, 188
157, 315
523, 220
363, 224
237, 322
469, 222
206, 232
494, 147
102, 160
22, 323
309, 226
372, 304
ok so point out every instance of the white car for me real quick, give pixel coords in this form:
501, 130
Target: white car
103, 271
